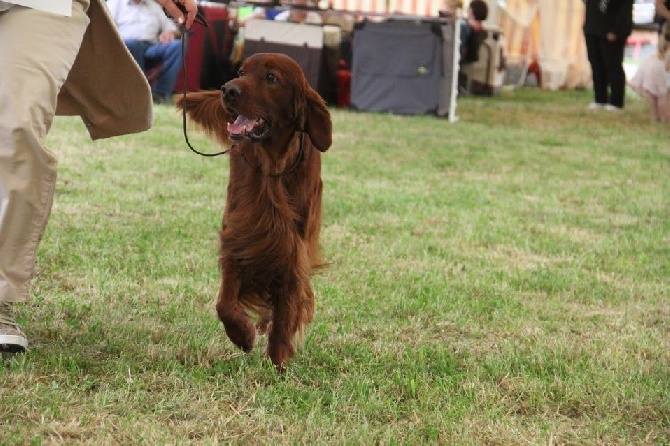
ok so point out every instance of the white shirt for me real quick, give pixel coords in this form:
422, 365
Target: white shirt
62, 7
312, 18
142, 21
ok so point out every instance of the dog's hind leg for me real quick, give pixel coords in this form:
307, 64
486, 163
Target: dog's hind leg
238, 326
282, 332
293, 310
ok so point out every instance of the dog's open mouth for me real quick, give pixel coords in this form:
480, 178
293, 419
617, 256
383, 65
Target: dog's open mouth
249, 128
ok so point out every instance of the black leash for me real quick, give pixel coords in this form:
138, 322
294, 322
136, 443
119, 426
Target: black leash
183, 102
199, 19
297, 159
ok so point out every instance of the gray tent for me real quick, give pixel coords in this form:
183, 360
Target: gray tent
405, 67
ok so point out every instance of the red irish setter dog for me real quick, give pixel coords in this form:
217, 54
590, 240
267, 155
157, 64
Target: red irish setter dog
278, 127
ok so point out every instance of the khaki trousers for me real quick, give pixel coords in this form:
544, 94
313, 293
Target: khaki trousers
37, 51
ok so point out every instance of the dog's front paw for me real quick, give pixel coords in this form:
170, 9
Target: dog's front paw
241, 333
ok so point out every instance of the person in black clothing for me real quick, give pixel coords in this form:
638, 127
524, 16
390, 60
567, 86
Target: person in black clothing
607, 25
662, 13
472, 31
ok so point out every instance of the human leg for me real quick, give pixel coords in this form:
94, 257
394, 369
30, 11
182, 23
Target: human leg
138, 49
171, 55
33, 70
664, 107
654, 105
613, 54
598, 71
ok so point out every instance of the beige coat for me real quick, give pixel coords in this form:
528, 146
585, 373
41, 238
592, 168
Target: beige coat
105, 86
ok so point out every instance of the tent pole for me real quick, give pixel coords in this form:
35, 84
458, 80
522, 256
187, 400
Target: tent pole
456, 54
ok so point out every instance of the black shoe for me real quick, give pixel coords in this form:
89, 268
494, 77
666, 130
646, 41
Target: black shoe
160, 99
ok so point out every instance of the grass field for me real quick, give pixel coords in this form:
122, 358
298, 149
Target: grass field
499, 281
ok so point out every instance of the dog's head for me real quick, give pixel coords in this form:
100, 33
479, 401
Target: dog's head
271, 98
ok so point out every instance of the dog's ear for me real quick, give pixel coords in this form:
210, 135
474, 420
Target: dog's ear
205, 109
317, 120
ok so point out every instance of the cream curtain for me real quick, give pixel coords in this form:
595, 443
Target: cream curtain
549, 32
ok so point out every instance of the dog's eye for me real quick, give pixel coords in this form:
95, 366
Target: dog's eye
271, 77
240, 73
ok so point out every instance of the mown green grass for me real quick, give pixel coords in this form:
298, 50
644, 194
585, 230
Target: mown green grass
501, 281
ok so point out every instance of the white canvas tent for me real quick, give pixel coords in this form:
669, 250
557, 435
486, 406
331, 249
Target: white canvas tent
548, 32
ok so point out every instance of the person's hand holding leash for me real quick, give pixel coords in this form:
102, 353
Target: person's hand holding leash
183, 12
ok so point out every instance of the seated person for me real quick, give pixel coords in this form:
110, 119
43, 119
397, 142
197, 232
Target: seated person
299, 15
245, 13
472, 28
152, 38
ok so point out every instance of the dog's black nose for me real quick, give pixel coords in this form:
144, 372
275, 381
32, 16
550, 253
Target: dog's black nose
230, 91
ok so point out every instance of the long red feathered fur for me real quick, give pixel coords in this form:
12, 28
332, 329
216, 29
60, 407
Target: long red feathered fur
269, 244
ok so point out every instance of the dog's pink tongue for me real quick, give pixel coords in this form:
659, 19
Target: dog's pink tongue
241, 125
